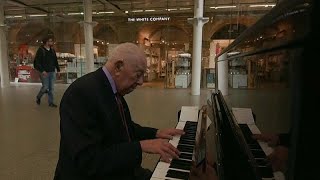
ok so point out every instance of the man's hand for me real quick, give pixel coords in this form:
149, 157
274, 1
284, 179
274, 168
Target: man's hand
45, 74
278, 158
160, 146
169, 133
271, 139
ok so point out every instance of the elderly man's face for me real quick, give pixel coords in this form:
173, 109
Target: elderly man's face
130, 76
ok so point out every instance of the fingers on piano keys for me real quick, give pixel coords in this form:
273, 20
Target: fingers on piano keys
264, 167
179, 168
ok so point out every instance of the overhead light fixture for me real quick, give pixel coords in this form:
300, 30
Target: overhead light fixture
262, 5
222, 7
106, 12
10, 17
171, 9
38, 15
182, 9
149, 10
137, 10
126, 12
77, 13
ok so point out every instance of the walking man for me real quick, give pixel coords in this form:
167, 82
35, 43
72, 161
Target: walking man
46, 63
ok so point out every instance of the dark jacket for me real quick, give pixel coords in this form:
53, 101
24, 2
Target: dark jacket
94, 144
46, 60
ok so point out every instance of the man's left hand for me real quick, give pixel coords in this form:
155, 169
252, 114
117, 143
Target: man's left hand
169, 133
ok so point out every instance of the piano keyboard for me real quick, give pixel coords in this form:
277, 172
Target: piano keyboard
180, 168
260, 151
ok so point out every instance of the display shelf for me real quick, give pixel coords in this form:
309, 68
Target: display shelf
183, 70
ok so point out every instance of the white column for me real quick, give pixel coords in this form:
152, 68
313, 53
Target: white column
88, 35
222, 68
4, 68
198, 21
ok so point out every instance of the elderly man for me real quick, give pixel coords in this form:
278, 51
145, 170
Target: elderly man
99, 140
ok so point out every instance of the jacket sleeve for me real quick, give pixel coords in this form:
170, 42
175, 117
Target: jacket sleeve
83, 139
142, 133
38, 60
56, 60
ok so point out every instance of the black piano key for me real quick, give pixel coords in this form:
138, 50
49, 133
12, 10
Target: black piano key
188, 136
262, 162
185, 148
191, 123
254, 146
180, 164
258, 154
185, 156
177, 174
191, 131
180, 161
266, 172
185, 141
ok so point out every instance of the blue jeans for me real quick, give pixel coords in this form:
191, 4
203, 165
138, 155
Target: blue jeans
47, 86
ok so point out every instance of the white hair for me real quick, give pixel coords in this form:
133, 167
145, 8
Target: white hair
127, 51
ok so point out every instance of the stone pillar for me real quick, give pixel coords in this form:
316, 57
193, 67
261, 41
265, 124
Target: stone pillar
4, 68
88, 35
222, 68
198, 21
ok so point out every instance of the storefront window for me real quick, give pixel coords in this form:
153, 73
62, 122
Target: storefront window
160, 28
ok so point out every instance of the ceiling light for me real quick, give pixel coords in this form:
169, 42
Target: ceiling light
222, 7
137, 11
262, 5
38, 15
9, 17
78, 13
106, 12
149, 10
171, 9
181, 9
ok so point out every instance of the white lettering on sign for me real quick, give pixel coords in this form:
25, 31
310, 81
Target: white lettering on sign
146, 19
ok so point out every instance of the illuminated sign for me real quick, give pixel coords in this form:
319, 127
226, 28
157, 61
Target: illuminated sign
148, 19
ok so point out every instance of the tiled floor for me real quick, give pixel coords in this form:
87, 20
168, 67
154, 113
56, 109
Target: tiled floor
29, 134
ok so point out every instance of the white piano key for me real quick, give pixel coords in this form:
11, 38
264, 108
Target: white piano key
161, 170
254, 129
264, 146
181, 125
174, 142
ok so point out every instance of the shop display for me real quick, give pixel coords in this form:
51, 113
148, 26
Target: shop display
183, 70
238, 77
153, 63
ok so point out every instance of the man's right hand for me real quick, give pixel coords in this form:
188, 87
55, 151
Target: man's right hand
271, 139
160, 146
44, 73
279, 158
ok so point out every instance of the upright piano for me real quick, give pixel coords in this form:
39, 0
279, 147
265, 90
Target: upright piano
235, 153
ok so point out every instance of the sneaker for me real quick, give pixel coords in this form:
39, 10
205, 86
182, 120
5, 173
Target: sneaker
53, 105
38, 101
